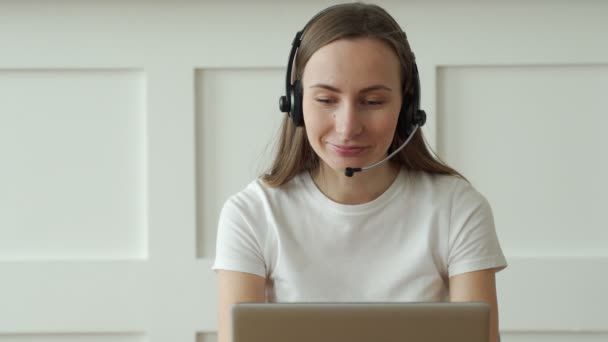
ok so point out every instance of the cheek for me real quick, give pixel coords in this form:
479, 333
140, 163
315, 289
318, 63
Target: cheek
315, 130
384, 130
306, 111
316, 123
310, 123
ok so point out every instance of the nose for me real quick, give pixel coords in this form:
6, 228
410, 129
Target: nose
347, 121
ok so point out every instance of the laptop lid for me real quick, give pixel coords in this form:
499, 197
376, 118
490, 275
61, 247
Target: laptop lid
360, 322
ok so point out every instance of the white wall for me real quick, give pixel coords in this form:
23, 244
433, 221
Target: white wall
124, 125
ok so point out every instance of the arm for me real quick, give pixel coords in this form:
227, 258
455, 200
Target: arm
478, 286
236, 287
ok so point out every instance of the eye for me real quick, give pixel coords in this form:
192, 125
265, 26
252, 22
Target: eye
373, 102
324, 100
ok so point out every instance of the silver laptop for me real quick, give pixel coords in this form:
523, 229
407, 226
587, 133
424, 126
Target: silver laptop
360, 322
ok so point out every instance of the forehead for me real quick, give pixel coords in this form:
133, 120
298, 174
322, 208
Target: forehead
354, 62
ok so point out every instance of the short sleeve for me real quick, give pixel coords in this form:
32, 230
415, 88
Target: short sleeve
473, 242
239, 245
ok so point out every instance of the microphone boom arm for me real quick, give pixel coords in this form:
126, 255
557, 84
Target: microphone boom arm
350, 171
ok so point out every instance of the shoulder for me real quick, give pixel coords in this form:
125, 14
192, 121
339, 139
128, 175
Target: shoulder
452, 196
258, 197
445, 188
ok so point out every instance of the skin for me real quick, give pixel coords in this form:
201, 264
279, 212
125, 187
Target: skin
352, 101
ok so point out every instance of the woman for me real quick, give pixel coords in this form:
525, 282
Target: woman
408, 229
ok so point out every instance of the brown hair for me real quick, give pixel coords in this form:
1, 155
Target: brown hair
348, 21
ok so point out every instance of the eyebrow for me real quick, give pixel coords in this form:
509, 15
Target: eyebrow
364, 90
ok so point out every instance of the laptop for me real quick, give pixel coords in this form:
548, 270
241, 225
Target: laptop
360, 322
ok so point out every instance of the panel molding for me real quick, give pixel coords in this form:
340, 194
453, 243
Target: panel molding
70, 192
42, 336
534, 145
235, 137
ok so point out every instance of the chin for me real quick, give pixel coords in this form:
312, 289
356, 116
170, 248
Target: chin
342, 164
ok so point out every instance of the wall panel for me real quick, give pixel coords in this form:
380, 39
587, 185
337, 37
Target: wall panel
237, 121
531, 138
73, 153
73, 337
124, 126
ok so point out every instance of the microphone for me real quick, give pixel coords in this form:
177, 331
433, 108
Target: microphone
350, 171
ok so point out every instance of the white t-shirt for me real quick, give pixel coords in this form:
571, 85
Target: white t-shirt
403, 246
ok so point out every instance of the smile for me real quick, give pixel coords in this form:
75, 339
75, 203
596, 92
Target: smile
347, 150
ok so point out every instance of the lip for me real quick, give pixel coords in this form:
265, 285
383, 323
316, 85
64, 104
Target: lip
346, 150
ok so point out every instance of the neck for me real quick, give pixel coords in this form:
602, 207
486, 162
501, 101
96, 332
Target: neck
363, 187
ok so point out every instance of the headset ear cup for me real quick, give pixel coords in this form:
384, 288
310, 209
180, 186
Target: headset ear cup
420, 118
297, 114
404, 122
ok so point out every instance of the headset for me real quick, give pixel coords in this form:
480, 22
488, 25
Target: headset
411, 117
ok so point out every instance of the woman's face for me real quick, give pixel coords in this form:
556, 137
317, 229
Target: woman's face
351, 101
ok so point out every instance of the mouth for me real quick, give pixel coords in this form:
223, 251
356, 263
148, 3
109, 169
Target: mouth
347, 150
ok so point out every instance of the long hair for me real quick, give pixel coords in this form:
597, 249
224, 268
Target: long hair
294, 153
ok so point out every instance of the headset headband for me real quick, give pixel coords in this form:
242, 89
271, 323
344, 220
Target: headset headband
409, 116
